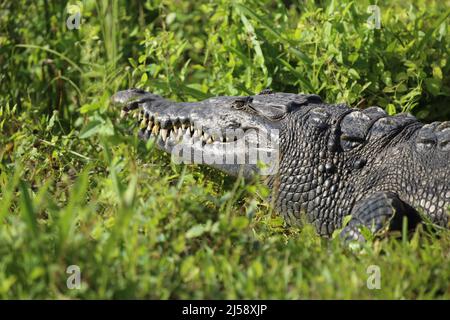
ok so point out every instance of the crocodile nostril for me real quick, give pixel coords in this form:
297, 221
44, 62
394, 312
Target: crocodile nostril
137, 90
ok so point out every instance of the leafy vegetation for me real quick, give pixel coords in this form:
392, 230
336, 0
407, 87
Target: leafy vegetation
77, 189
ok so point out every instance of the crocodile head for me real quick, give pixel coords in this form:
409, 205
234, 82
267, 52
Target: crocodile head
229, 133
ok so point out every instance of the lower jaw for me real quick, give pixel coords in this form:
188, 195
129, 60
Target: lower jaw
230, 157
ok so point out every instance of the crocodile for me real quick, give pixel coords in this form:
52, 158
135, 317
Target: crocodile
322, 162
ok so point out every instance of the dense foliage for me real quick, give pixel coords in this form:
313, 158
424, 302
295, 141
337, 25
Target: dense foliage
77, 189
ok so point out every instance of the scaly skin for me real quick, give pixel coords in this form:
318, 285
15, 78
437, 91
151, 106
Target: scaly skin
333, 161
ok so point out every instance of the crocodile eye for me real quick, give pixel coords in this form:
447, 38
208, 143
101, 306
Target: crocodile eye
241, 103
426, 143
426, 139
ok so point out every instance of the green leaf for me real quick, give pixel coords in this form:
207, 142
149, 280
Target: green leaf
89, 107
437, 72
195, 231
353, 74
390, 109
90, 129
144, 78
433, 85
27, 209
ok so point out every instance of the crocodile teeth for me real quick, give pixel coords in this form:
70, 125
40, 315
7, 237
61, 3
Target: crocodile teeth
123, 114
210, 140
164, 134
150, 125
206, 137
155, 130
216, 136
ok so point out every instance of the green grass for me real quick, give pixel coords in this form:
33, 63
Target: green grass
77, 189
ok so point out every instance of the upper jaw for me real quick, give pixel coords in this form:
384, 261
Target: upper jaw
212, 121
212, 128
